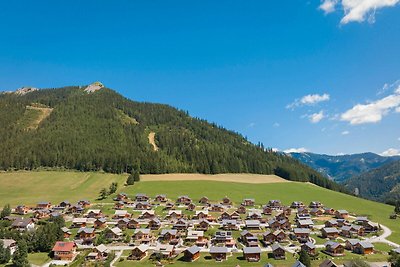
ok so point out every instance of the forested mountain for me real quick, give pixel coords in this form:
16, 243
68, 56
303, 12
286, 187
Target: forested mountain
381, 184
98, 129
342, 167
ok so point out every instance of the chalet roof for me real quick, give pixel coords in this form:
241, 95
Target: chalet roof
205, 212
301, 231
219, 249
170, 231
21, 222
8, 242
178, 212
298, 264
332, 244
366, 244
251, 250
121, 212
276, 246
306, 222
309, 245
353, 241
330, 230
142, 230
86, 230
252, 223
66, 230
343, 211
164, 248
193, 249
116, 231
142, 247
328, 263
361, 218
63, 246
101, 248
79, 220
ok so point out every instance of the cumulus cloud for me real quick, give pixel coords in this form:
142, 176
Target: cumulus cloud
296, 150
316, 117
328, 6
345, 132
374, 111
357, 10
391, 152
308, 100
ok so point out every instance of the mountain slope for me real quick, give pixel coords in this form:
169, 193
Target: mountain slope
382, 184
342, 167
98, 129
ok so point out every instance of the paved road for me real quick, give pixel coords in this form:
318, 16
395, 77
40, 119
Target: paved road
382, 238
117, 256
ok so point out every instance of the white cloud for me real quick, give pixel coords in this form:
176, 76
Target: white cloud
274, 149
374, 111
328, 6
345, 132
309, 100
296, 150
357, 10
251, 124
316, 117
276, 125
390, 152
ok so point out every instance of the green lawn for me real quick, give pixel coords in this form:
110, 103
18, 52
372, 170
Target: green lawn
38, 258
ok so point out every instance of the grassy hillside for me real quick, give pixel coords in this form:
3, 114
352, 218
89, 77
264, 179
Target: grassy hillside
71, 128
30, 187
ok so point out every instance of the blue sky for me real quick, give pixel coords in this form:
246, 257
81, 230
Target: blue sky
318, 75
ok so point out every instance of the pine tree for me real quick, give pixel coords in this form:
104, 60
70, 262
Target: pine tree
6, 211
130, 180
20, 257
136, 176
103, 194
113, 188
5, 254
305, 258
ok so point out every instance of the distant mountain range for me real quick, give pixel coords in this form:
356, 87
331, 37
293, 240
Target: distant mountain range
381, 184
343, 167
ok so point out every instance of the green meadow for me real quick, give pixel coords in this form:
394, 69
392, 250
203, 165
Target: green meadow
55, 186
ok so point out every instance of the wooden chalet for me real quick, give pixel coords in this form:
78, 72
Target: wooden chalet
329, 232
64, 251
252, 254
139, 252
278, 252
192, 253
363, 248
341, 214
204, 200
334, 249
219, 253
142, 236
161, 198
309, 248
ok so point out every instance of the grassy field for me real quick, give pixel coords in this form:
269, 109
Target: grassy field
31, 187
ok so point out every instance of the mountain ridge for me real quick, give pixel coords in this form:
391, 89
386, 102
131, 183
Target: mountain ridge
95, 131
342, 167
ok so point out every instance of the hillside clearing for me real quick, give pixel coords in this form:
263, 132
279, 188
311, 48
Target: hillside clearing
152, 140
229, 177
43, 113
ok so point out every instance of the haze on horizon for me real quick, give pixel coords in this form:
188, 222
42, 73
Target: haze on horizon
320, 76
